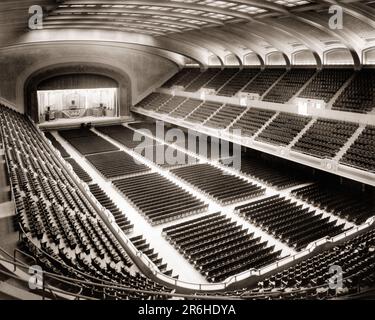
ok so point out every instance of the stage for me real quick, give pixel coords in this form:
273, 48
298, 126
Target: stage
74, 123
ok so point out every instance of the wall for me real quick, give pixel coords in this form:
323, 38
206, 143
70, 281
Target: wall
338, 56
304, 57
146, 71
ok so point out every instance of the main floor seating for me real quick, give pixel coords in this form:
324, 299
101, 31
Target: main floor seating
218, 247
283, 129
87, 142
359, 95
353, 205
80, 172
61, 228
202, 80
361, 154
186, 108
291, 223
159, 199
239, 81
326, 84
225, 116
121, 220
289, 85
252, 121
57, 145
204, 112
116, 164
264, 81
355, 257
223, 187
325, 138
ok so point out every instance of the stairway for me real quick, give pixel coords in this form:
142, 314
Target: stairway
140, 243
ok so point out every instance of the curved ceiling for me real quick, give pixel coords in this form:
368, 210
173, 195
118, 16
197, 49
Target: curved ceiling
198, 29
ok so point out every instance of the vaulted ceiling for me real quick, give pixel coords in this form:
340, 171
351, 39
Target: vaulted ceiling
200, 29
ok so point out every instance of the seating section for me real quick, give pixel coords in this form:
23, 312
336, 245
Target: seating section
81, 173
57, 145
202, 80
361, 154
326, 84
221, 79
264, 81
171, 105
325, 138
217, 184
116, 164
289, 85
154, 101
204, 112
283, 129
252, 121
218, 247
286, 220
225, 116
61, 228
159, 199
353, 205
359, 95
239, 81
87, 142
186, 108
356, 258
166, 156
185, 76
141, 244
277, 174
121, 220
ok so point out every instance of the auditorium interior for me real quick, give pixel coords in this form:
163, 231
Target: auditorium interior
187, 149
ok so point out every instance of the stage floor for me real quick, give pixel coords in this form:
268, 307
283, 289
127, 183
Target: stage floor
68, 123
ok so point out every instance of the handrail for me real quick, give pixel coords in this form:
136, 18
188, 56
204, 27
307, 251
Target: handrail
21, 252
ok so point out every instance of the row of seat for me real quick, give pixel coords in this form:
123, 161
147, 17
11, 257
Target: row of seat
218, 247
350, 204
214, 182
159, 199
204, 112
286, 220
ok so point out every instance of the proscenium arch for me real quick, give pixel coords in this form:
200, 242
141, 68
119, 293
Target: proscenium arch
51, 71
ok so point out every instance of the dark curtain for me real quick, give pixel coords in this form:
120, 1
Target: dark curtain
77, 81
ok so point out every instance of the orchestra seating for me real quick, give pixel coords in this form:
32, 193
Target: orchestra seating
326, 84
252, 121
286, 220
159, 199
325, 138
276, 173
186, 108
221, 79
217, 184
355, 257
204, 112
361, 154
202, 80
87, 142
140, 243
123, 135
166, 156
218, 247
120, 218
171, 105
353, 205
283, 129
80, 172
59, 226
146, 125
264, 81
57, 145
116, 164
225, 117
239, 81
289, 85
359, 95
